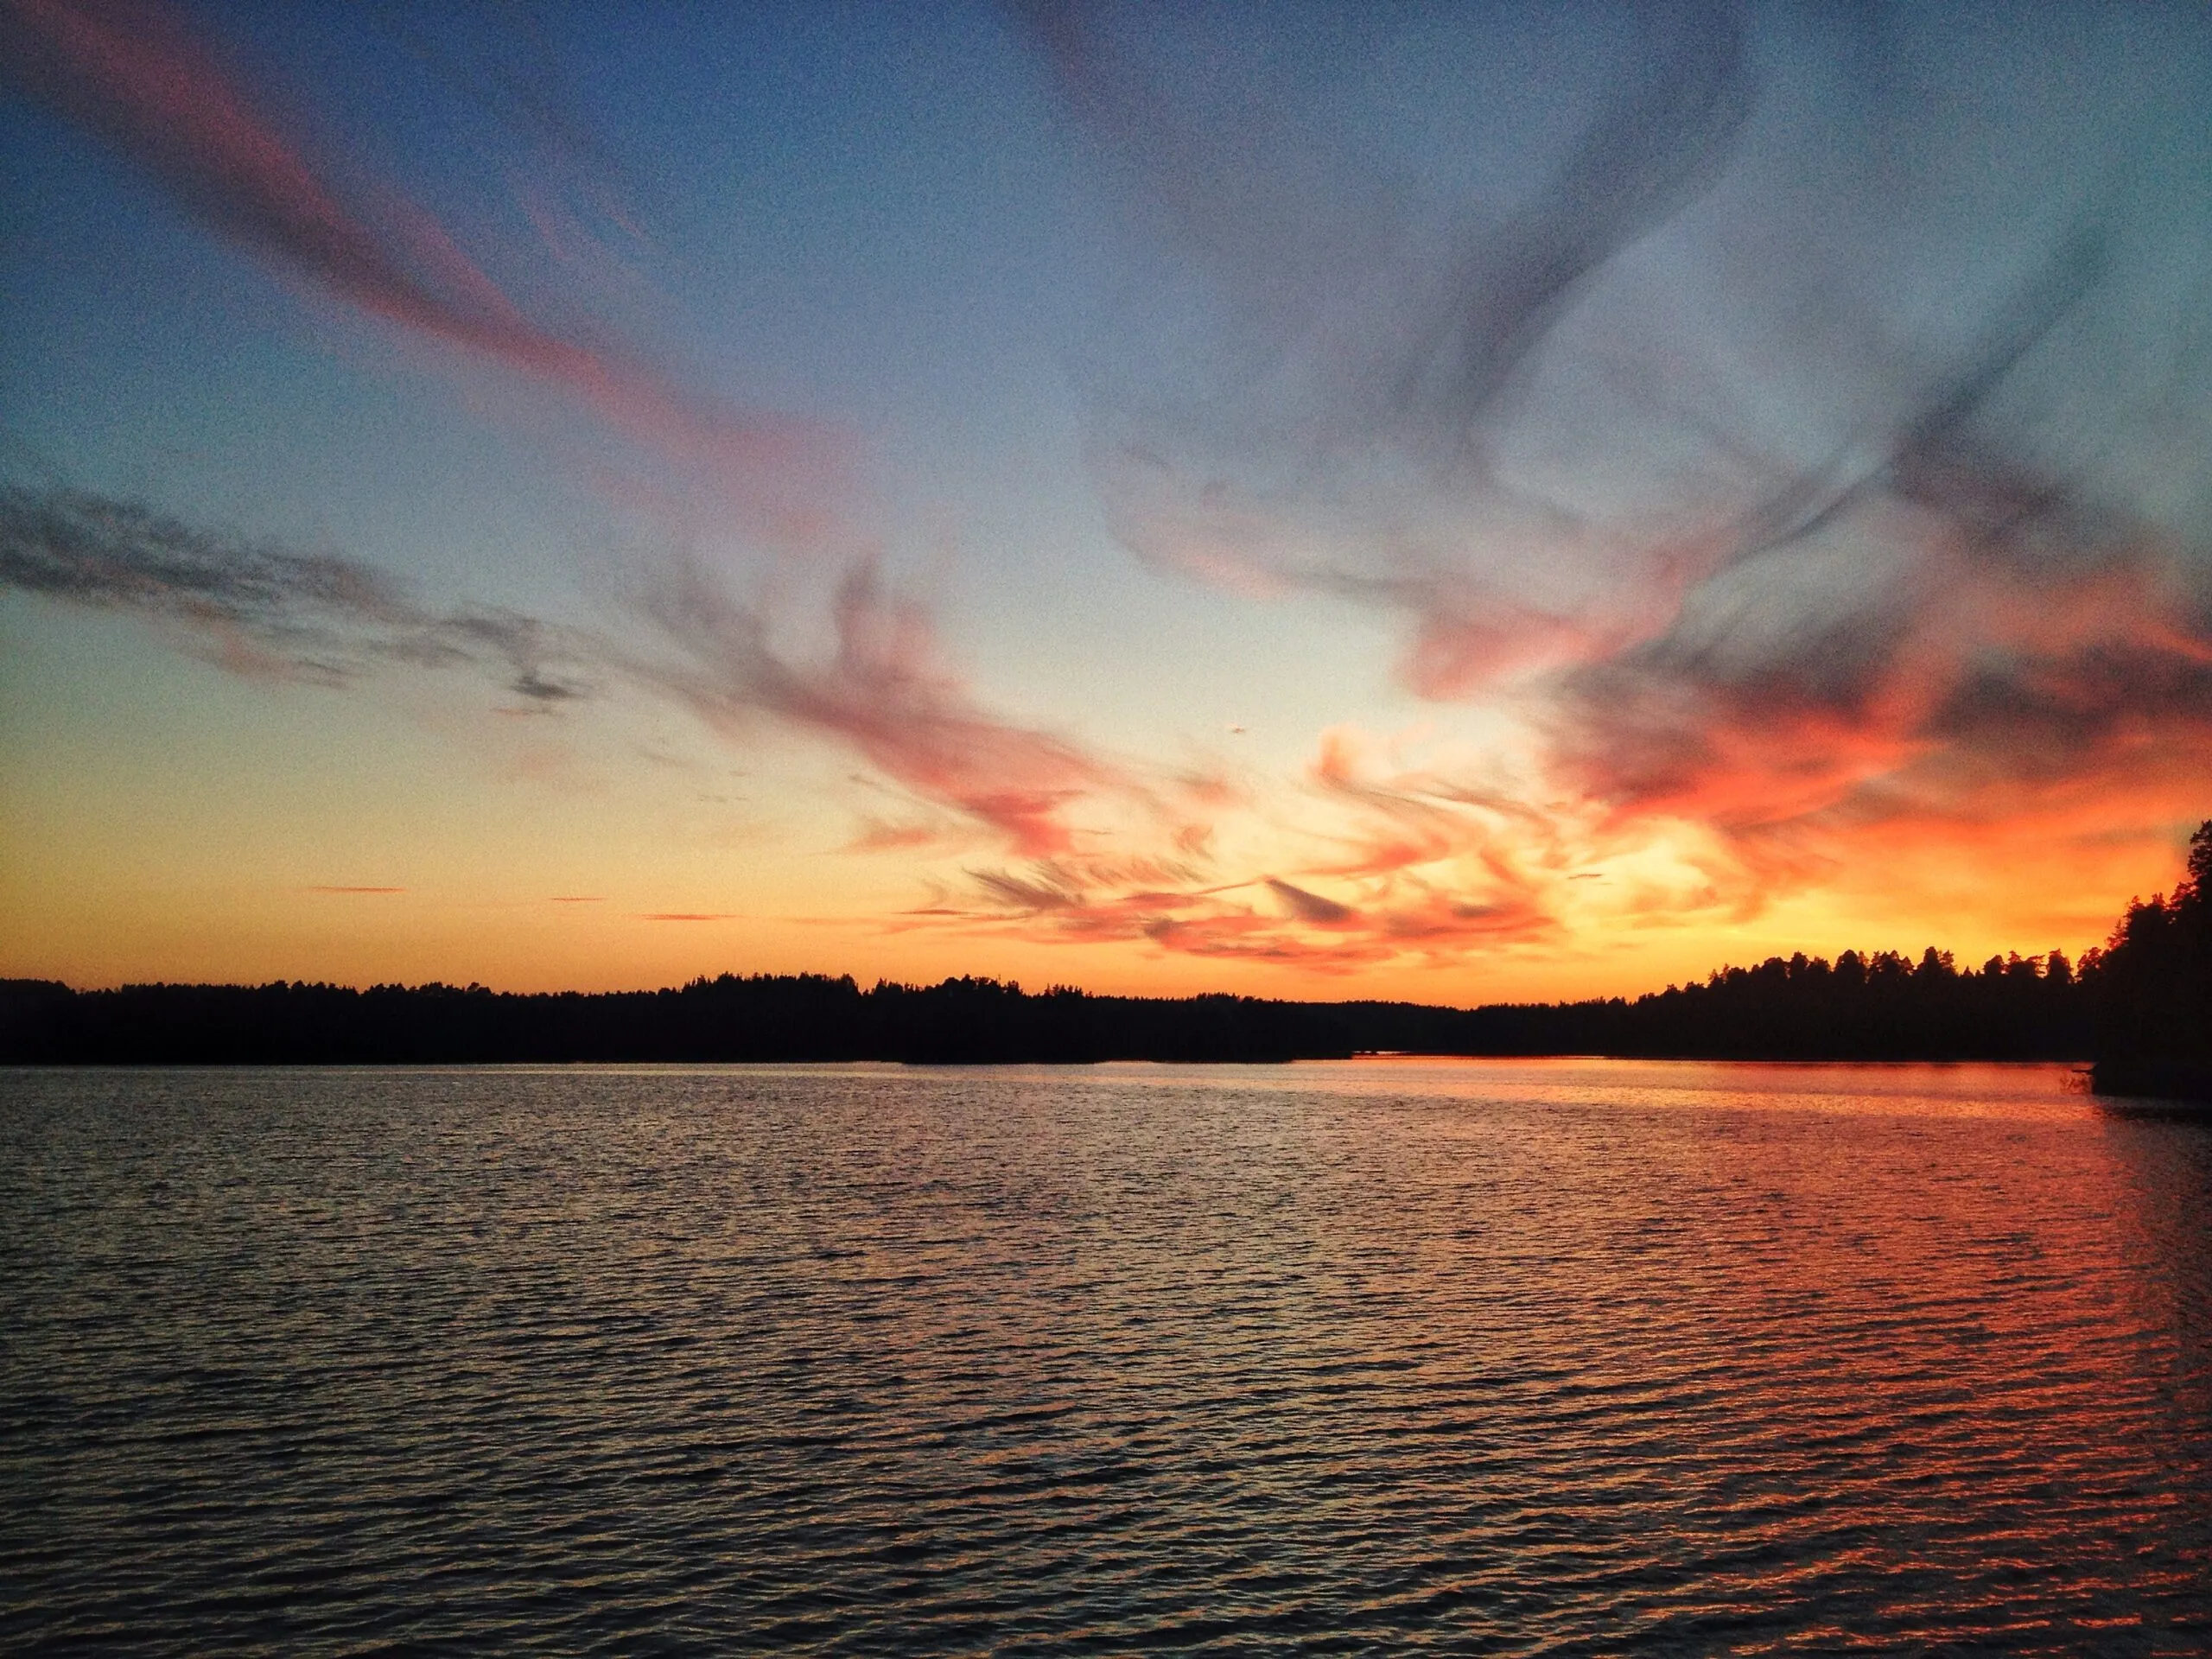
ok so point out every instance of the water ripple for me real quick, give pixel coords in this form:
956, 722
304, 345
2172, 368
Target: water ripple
1530, 1358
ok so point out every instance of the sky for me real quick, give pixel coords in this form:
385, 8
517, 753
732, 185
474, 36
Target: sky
1457, 503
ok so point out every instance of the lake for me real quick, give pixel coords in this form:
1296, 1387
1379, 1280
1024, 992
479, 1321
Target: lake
1516, 1357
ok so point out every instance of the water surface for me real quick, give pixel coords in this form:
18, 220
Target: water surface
1548, 1357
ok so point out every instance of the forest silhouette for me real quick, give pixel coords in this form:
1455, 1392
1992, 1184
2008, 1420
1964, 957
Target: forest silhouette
2140, 1008
2153, 990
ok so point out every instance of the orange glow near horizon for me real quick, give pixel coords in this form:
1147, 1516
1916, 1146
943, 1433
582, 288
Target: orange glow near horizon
160, 866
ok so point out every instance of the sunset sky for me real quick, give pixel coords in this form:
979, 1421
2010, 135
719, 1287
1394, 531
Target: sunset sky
1457, 503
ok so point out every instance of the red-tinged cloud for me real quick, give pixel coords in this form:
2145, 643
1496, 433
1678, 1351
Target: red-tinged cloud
1476, 877
130, 69
884, 692
2050, 668
1401, 864
1652, 430
1268, 920
689, 916
256, 608
875, 835
1401, 821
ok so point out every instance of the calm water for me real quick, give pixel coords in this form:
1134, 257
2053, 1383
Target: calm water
1534, 1357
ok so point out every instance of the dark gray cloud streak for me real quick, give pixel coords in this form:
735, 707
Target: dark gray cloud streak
262, 609
1806, 410
1309, 906
256, 608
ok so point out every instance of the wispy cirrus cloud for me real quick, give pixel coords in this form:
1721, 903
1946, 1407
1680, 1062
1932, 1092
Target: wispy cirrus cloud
1264, 919
1104, 848
878, 836
884, 692
1359, 864
131, 71
256, 608
134, 73
1362, 862
1327, 380
264, 610
1800, 466
1800, 422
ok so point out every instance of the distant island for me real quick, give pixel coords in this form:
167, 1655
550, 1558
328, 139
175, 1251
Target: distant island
2140, 1010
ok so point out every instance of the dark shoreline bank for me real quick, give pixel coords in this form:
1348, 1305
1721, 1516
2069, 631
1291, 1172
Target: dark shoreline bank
2188, 1081
1873, 1008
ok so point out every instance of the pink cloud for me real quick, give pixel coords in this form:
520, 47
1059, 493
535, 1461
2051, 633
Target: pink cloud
877, 836
130, 70
884, 692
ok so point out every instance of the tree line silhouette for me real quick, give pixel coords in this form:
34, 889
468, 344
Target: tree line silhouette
2154, 990
2141, 1008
